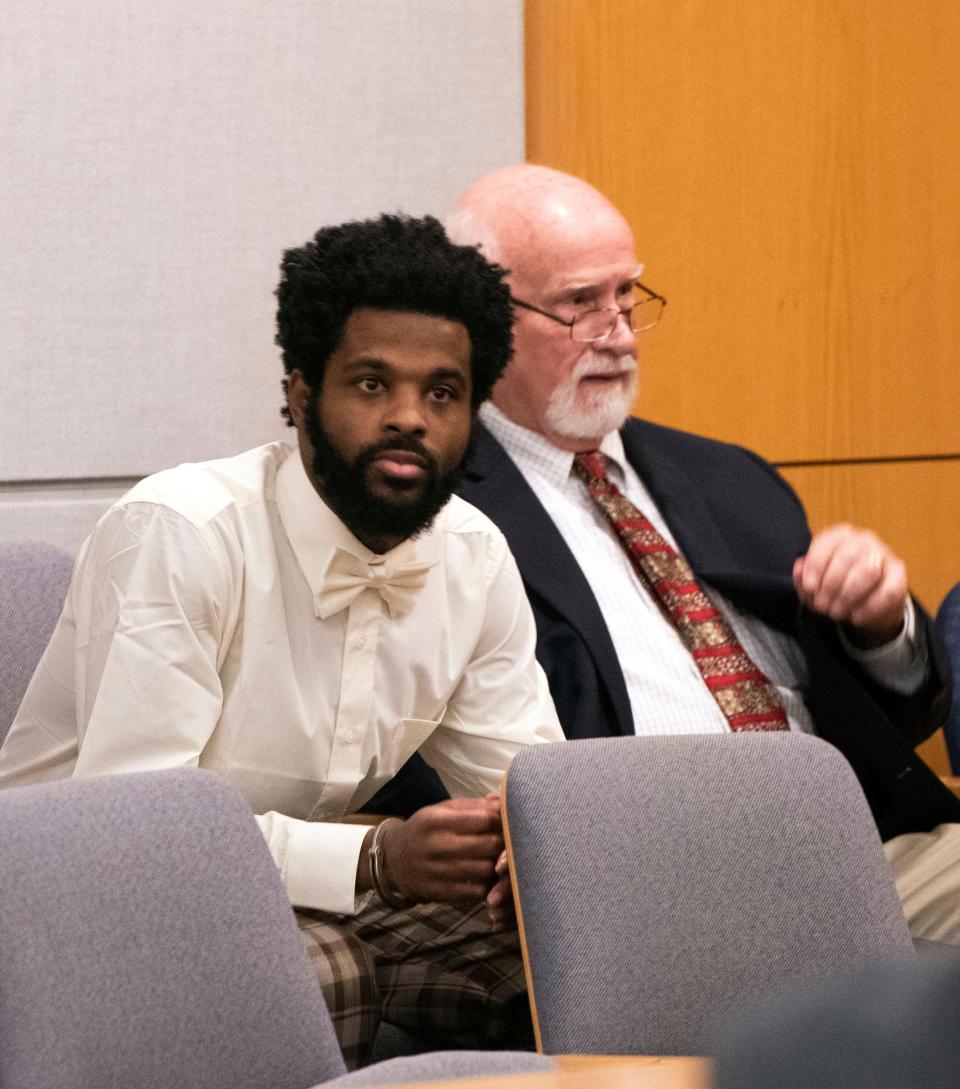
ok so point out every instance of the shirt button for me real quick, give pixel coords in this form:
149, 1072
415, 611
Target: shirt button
350, 736
360, 642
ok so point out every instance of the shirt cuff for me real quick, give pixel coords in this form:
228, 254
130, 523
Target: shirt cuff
317, 861
901, 664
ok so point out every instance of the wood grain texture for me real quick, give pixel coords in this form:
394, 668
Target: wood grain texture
792, 175
599, 1072
934, 753
913, 506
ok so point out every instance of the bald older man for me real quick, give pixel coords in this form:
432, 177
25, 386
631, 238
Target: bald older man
674, 580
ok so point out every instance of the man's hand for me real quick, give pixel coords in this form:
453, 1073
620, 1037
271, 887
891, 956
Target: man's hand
850, 575
500, 908
445, 852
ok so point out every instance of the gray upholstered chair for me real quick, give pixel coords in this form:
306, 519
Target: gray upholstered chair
442, 1066
664, 881
146, 940
33, 583
887, 1026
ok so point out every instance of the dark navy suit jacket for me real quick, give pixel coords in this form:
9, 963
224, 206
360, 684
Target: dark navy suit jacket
741, 527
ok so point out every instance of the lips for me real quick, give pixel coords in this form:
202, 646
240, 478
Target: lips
611, 376
604, 368
401, 464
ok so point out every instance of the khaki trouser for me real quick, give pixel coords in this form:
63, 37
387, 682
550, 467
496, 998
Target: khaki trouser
926, 869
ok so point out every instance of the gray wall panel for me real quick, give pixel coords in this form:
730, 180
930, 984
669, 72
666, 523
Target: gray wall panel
60, 514
157, 159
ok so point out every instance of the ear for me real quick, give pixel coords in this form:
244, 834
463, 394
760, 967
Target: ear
298, 395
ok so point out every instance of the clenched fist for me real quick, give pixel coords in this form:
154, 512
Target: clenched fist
851, 576
445, 852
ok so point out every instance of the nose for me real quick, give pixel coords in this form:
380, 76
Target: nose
405, 414
622, 338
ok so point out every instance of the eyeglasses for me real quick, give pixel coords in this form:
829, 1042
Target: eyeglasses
643, 311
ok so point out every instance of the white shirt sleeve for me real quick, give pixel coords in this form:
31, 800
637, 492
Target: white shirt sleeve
317, 861
129, 680
502, 703
147, 616
901, 664
150, 605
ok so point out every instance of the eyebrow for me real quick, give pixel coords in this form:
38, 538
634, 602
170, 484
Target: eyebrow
578, 288
376, 363
449, 374
575, 287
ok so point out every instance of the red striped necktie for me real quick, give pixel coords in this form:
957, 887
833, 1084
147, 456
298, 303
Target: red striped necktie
743, 693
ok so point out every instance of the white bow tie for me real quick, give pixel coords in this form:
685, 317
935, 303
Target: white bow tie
347, 576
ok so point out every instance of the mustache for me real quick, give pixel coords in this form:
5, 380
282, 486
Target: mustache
407, 443
593, 364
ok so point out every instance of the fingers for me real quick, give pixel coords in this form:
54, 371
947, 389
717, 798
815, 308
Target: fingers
446, 847
503, 865
446, 852
851, 576
461, 882
461, 826
840, 574
464, 882
466, 816
500, 907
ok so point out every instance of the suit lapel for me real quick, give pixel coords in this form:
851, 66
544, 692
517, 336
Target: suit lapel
553, 577
551, 574
711, 553
690, 520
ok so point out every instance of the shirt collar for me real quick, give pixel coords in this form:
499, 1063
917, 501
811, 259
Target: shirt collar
315, 532
534, 453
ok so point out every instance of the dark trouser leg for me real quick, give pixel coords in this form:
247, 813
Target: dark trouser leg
347, 977
435, 970
444, 975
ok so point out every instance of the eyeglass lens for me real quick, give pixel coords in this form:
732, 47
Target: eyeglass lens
644, 314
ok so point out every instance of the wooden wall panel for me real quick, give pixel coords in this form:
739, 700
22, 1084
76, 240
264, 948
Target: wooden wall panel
913, 506
792, 173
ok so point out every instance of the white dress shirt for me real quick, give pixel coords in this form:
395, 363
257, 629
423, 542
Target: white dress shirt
192, 636
666, 689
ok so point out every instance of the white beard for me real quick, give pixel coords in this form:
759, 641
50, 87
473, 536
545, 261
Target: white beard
577, 413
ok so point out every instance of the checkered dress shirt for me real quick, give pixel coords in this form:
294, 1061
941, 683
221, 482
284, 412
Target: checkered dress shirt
666, 691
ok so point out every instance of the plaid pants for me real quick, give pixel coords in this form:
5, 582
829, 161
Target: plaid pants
435, 970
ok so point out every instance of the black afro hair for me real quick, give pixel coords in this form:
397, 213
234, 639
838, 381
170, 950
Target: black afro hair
394, 262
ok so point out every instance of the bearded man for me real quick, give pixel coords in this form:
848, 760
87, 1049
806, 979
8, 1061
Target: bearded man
674, 580
301, 619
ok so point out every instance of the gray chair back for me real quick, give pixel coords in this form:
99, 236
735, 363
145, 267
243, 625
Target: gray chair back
33, 583
443, 1066
888, 1026
146, 940
664, 881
